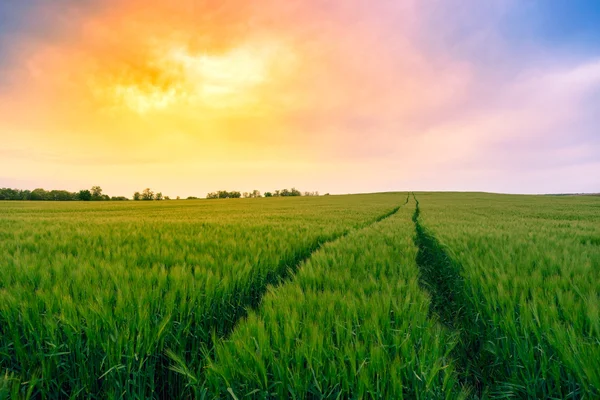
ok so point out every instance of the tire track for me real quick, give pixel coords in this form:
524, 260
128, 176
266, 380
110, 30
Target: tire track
482, 372
283, 273
441, 276
287, 268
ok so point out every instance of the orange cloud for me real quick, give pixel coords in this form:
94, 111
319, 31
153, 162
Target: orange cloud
199, 94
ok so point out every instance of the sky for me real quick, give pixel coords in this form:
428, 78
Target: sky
349, 96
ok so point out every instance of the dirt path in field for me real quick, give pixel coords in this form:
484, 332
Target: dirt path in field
482, 370
283, 273
287, 268
441, 276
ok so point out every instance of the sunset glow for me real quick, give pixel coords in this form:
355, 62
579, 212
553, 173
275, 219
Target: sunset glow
178, 78
194, 96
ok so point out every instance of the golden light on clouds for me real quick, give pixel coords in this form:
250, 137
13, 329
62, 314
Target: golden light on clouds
193, 96
176, 77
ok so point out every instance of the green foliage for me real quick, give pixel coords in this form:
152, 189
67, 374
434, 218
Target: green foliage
147, 194
287, 193
352, 324
96, 193
93, 295
478, 296
14, 194
55, 195
39, 194
526, 300
224, 194
84, 195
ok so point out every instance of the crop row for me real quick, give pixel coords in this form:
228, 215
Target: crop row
522, 290
456, 295
353, 323
502, 305
91, 296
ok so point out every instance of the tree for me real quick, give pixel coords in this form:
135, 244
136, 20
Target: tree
246, 195
54, 195
147, 194
84, 195
61, 195
167, 198
224, 194
287, 192
137, 196
39, 194
268, 194
96, 193
13, 194
255, 193
178, 198
159, 196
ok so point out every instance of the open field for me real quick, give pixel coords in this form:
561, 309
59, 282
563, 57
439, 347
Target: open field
394, 295
519, 278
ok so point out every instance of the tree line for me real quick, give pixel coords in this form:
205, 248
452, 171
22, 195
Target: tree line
39, 194
95, 194
224, 194
148, 194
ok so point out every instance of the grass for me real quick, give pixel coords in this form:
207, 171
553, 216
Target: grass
528, 289
92, 295
451, 295
352, 324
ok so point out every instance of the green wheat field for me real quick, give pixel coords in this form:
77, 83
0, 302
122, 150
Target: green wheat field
374, 296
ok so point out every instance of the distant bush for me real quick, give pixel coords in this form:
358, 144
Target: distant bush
84, 195
14, 194
224, 194
97, 193
40, 194
290, 193
147, 194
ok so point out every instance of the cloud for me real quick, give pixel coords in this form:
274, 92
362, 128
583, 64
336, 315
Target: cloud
425, 90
